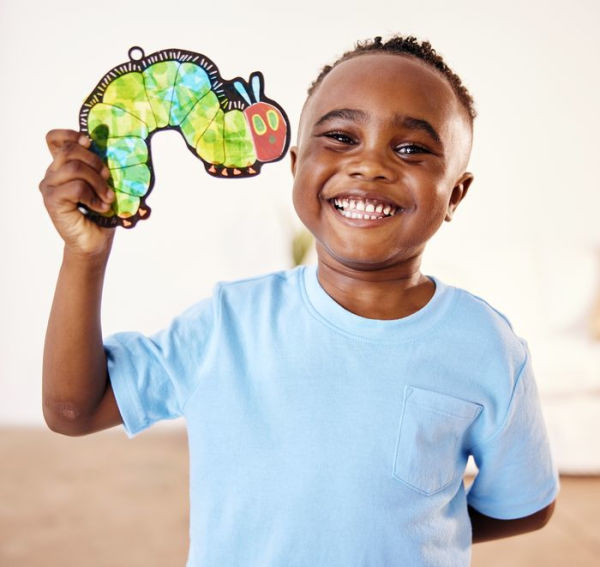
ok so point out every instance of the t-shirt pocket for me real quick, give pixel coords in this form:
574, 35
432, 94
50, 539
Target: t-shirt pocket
429, 453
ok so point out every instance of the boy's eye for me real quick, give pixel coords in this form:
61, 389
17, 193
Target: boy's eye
410, 149
339, 137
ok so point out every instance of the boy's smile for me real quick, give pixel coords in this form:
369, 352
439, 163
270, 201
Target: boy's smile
380, 164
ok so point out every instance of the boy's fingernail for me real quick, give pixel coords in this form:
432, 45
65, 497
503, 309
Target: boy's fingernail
105, 172
84, 141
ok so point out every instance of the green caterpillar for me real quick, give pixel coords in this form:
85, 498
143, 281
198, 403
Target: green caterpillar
230, 125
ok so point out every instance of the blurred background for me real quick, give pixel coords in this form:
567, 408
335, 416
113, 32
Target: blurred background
527, 239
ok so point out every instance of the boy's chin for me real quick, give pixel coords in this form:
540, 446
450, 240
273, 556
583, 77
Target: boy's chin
364, 262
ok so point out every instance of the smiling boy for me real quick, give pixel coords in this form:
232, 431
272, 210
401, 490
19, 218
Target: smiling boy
330, 409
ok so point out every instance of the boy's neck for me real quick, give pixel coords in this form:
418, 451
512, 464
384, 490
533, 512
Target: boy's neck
377, 294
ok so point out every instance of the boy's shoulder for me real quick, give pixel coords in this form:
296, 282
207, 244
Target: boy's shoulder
253, 292
480, 308
241, 299
483, 323
272, 282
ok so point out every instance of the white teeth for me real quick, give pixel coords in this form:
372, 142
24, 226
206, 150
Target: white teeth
352, 208
355, 215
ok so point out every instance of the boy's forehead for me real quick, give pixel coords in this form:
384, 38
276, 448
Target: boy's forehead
380, 82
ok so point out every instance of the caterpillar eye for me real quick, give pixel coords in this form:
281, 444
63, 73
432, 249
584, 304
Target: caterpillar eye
273, 119
259, 124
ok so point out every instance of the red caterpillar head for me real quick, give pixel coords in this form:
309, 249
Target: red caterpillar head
268, 124
268, 129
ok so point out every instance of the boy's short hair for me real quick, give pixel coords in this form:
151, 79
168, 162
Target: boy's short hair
411, 47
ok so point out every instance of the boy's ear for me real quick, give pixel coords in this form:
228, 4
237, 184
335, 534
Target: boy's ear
293, 156
458, 193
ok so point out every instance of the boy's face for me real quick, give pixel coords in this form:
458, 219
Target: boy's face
380, 161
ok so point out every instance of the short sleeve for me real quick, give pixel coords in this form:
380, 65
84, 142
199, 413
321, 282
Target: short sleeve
517, 476
153, 376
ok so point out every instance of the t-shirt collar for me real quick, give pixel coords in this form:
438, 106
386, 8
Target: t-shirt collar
332, 313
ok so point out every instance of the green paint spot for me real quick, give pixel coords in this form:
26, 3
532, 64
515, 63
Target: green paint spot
273, 119
99, 136
259, 125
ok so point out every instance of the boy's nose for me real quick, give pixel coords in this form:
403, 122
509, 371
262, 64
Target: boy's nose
371, 165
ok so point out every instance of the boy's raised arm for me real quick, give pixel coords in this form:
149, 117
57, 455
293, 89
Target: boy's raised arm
77, 397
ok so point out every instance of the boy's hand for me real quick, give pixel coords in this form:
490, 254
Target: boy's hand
77, 175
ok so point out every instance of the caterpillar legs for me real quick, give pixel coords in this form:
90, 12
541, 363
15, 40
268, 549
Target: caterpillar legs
219, 171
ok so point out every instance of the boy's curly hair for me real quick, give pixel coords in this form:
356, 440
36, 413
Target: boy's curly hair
410, 46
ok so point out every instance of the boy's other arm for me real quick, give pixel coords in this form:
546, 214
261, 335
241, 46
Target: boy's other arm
77, 397
486, 528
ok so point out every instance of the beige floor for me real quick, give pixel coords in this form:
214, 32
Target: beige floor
106, 501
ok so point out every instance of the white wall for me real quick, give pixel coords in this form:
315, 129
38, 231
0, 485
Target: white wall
527, 238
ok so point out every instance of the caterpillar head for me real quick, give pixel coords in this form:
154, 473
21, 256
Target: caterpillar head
268, 125
268, 129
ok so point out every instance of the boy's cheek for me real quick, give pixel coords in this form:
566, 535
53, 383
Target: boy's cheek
306, 205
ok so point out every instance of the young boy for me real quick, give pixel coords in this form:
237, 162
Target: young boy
331, 409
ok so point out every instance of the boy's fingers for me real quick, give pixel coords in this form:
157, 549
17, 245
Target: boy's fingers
56, 139
74, 151
67, 196
77, 170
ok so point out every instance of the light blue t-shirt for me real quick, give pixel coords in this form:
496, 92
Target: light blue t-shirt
319, 438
